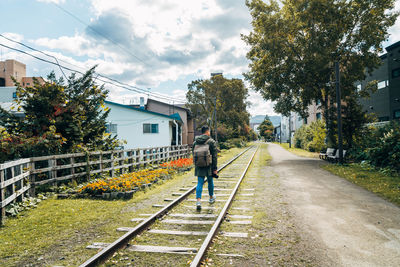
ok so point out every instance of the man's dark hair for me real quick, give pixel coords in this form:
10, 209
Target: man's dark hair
204, 129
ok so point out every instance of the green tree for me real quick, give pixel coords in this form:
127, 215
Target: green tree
61, 117
230, 96
294, 47
311, 137
266, 129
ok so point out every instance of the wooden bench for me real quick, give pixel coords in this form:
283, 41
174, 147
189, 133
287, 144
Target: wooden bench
335, 158
329, 152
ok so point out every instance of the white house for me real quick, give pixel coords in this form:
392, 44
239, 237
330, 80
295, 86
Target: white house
8, 94
142, 128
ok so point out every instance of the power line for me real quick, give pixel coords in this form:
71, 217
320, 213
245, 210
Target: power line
99, 33
37, 51
110, 80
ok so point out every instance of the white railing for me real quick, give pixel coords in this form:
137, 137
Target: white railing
19, 178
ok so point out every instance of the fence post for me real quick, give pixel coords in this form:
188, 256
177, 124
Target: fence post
32, 178
130, 161
2, 197
144, 158
53, 173
87, 166
72, 162
137, 159
121, 161
112, 164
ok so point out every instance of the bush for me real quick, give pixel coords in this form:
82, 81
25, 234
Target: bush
234, 142
311, 137
386, 151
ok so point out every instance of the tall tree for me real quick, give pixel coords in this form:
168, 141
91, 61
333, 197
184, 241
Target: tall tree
294, 47
266, 129
231, 103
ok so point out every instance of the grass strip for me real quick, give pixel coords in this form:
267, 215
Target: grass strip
384, 185
57, 231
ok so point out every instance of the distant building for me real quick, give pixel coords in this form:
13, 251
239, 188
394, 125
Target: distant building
289, 124
255, 126
143, 128
12, 68
385, 103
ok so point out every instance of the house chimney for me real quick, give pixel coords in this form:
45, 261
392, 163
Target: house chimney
141, 102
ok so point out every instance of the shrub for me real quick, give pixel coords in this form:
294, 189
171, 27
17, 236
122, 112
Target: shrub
386, 152
311, 137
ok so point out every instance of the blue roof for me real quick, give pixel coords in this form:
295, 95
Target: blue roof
174, 116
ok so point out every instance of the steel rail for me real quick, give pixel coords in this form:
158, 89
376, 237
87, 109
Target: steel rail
123, 241
207, 241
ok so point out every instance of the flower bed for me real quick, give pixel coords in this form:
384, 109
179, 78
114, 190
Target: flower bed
125, 185
179, 163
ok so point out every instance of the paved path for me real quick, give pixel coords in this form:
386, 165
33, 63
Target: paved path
348, 225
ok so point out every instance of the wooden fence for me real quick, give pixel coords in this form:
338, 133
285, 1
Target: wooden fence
20, 178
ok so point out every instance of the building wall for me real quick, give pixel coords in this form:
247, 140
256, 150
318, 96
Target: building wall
167, 109
296, 121
12, 68
7, 93
130, 127
394, 82
314, 113
378, 103
29, 81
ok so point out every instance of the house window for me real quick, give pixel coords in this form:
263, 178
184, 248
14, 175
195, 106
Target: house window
28, 84
396, 73
111, 128
383, 84
150, 128
318, 116
396, 114
15, 95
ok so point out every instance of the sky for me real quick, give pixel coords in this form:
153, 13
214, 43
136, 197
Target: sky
156, 45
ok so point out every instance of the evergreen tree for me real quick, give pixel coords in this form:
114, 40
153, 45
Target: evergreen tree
266, 129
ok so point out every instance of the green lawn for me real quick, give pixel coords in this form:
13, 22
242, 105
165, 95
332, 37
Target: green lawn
298, 151
58, 230
375, 181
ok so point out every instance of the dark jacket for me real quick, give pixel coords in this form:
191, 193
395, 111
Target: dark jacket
206, 171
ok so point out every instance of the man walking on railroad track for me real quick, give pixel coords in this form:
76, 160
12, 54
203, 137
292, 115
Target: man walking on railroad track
205, 161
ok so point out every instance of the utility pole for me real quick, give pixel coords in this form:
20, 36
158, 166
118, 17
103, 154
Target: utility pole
339, 112
215, 118
290, 129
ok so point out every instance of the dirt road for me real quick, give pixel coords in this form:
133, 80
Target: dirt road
346, 225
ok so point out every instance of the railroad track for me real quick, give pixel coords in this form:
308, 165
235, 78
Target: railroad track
182, 218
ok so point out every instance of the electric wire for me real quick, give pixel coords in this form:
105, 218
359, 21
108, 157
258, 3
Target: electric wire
110, 80
114, 80
99, 33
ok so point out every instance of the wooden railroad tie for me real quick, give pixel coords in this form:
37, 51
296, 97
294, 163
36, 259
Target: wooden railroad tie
174, 232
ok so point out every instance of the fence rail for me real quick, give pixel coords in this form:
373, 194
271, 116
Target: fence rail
20, 178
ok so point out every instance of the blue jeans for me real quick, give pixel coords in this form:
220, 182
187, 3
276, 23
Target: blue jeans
200, 183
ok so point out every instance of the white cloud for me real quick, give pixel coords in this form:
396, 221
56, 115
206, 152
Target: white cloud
52, 1
395, 29
259, 106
